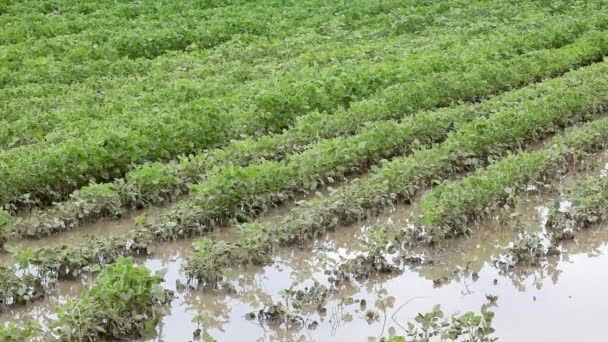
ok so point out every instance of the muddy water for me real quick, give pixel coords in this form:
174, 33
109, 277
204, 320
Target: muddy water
526, 308
563, 300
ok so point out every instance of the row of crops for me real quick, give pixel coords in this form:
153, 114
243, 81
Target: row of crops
48, 171
228, 109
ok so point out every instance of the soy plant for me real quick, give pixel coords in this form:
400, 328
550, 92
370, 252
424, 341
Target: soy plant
19, 287
588, 200
10, 332
433, 326
380, 243
379, 240
451, 207
5, 232
528, 250
256, 242
125, 302
208, 262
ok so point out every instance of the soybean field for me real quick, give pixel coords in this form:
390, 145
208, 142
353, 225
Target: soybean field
282, 170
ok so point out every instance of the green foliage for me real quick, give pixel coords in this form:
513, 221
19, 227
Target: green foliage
588, 200
508, 127
514, 120
5, 221
155, 183
432, 326
10, 332
208, 261
160, 124
273, 102
125, 301
256, 243
234, 190
449, 207
19, 287
49, 171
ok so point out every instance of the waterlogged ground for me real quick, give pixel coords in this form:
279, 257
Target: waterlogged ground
562, 300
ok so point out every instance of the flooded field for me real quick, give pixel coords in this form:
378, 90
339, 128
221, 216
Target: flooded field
282, 170
459, 274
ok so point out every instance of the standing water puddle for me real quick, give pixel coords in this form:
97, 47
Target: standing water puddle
525, 311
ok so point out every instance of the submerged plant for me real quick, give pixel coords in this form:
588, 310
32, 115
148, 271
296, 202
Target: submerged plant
379, 243
5, 220
10, 332
126, 301
209, 260
19, 288
256, 243
528, 248
588, 201
276, 314
295, 298
379, 240
432, 326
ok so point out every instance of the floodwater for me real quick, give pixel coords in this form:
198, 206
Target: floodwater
562, 300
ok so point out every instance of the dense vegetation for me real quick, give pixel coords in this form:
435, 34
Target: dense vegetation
232, 107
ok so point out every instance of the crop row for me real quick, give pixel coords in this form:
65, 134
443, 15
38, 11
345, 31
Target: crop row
241, 48
19, 10
246, 53
149, 36
259, 88
448, 208
274, 95
103, 153
467, 148
560, 101
188, 29
39, 122
451, 207
41, 105
157, 182
273, 87
119, 97
45, 19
